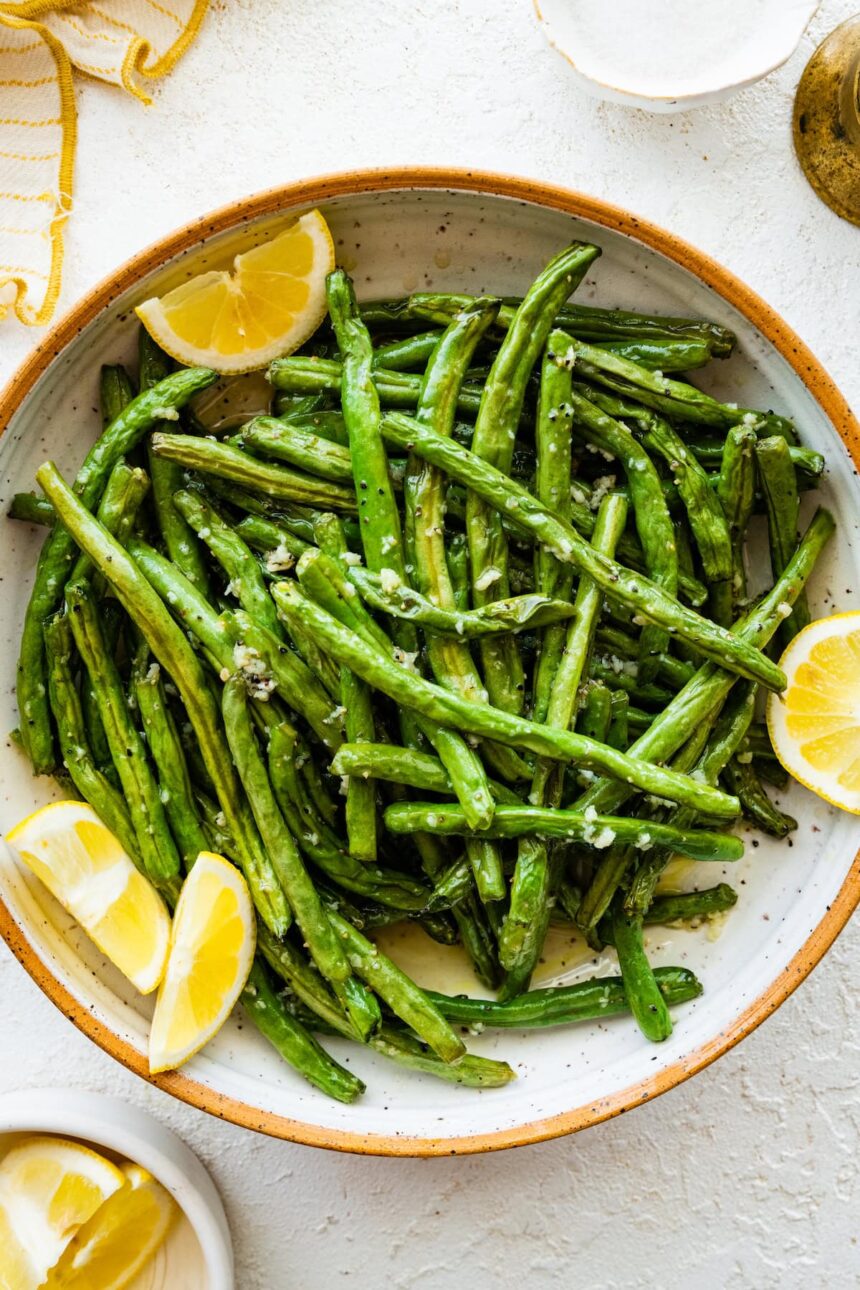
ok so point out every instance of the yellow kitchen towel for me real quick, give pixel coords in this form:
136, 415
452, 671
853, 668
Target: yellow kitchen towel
42, 44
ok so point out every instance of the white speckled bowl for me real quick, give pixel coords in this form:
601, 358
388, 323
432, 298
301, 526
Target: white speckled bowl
198, 1252
398, 231
702, 65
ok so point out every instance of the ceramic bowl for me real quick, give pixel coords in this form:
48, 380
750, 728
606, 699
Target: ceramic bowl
198, 1252
672, 56
398, 231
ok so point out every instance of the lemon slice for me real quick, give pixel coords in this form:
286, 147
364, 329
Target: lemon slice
83, 865
271, 302
119, 1239
211, 951
815, 724
48, 1189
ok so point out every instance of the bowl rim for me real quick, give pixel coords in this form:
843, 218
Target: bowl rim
792, 349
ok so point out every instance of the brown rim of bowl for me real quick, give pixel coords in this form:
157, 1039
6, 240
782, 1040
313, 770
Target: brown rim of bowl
795, 353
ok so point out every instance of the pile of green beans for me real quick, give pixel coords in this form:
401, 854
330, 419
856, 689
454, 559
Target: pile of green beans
458, 634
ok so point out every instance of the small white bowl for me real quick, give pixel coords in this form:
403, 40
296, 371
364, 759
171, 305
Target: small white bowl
670, 55
198, 1253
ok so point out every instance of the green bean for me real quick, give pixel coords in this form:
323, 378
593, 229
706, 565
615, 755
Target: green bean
224, 461
75, 752
493, 441
279, 546
324, 422
640, 984
322, 666
687, 906
675, 399
398, 991
552, 486
120, 502
294, 680
173, 651
58, 552
728, 733
525, 924
470, 1071
653, 522
736, 493
585, 322
297, 407
324, 945
360, 793
382, 544
297, 520
673, 671
270, 437
116, 391
399, 1046
582, 519
517, 613
400, 765
185, 602
386, 886
771, 772
411, 353
705, 513
448, 819
611, 518
617, 735
651, 695
710, 453
31, 509
167, 477
563, 1004
395, 389
449, 709
595, 714
379, 518
246, 580
664, 354
779, 486
450, 659
755, 803
165, 749
457, 562
643, 596
154, 838
294, 1043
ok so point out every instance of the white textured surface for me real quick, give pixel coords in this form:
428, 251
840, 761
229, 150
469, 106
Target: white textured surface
748, 1176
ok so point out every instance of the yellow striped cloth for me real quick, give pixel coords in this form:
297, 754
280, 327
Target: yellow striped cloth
42, 43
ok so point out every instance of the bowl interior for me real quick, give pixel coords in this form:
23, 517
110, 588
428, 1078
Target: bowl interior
395, 242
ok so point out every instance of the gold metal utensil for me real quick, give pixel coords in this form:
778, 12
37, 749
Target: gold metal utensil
827, 120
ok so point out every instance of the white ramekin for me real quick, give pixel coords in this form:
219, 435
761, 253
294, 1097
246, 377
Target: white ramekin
107, 1123
773, 37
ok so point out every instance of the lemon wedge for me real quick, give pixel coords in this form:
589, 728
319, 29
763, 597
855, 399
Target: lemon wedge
239, 320
120, 1238
83, 865
48, 1189
211, 951
815, 723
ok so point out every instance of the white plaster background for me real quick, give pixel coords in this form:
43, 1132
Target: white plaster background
748, 1175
